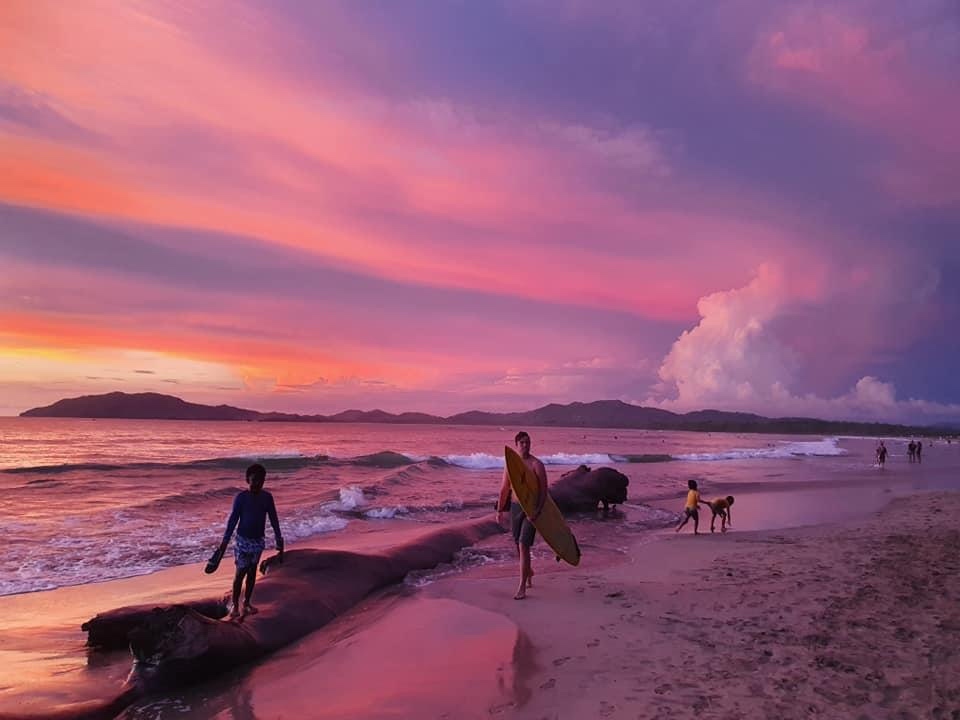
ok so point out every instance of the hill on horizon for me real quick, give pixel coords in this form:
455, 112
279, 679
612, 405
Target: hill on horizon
597, 414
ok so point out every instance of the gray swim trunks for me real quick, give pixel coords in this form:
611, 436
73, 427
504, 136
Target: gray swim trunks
523, 530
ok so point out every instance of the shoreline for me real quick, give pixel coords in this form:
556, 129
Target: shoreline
183, 582
870, 489
627, 628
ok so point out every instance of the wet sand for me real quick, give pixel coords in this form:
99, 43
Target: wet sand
396, 656
853, 619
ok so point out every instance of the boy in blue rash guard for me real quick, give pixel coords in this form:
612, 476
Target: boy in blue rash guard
249, 516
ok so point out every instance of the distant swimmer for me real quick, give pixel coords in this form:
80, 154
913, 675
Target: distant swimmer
881, 454
251, 508
691, 509
721, 507
521, 526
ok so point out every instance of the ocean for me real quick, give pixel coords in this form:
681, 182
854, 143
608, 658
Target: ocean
87, 501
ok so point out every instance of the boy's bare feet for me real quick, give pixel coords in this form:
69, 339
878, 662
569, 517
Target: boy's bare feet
530, 579
234, 613
249, 610
521, 594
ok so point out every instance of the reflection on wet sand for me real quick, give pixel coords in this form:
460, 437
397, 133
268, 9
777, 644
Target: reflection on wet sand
395, 657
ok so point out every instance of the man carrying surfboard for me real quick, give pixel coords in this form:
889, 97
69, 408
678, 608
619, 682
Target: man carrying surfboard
522, 525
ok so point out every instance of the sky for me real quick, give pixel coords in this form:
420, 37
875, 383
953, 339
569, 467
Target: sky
450, 205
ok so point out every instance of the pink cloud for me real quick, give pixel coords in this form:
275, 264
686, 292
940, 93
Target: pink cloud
847, 65
222, 118
308, 166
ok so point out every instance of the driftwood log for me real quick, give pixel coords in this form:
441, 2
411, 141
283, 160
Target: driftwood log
179, 644
111, 630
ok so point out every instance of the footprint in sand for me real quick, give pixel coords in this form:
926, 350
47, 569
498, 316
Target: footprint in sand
560, 661
549, 684
593, 643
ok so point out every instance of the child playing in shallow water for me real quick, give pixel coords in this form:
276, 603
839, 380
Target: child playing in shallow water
721, 507
691, 510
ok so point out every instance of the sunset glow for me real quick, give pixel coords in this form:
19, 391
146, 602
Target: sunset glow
310, 207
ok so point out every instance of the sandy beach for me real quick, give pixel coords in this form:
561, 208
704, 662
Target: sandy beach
854, 619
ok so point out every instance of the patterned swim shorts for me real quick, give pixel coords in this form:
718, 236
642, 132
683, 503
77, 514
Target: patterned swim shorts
247, 552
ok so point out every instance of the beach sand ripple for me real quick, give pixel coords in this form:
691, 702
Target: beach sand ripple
858, 620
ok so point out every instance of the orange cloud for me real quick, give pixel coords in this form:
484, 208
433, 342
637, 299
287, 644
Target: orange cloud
287, 363
319, 158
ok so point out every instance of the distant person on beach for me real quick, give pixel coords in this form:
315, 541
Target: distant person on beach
249, 516
721, 507
691, 510
919, 450
881, 454
911, 451
521, 526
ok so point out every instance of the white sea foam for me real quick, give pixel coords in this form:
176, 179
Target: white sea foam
274, 455
386, 512
302, 527
572, 459
486, 461
475, 461
134, 555
647, 516
351, 498
827, 447
462, 560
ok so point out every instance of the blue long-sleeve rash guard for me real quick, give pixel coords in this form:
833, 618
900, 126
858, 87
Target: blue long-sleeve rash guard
250, 510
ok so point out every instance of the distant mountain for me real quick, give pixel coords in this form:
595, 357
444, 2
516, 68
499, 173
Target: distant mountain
598, 414
379, 416
139, 406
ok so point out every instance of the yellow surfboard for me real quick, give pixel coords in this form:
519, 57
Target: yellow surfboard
550, 523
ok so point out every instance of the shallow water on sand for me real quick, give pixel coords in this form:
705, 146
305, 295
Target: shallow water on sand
467, 660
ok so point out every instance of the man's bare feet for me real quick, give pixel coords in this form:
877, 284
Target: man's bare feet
249, 609
521, 594
530, 579
234, 613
